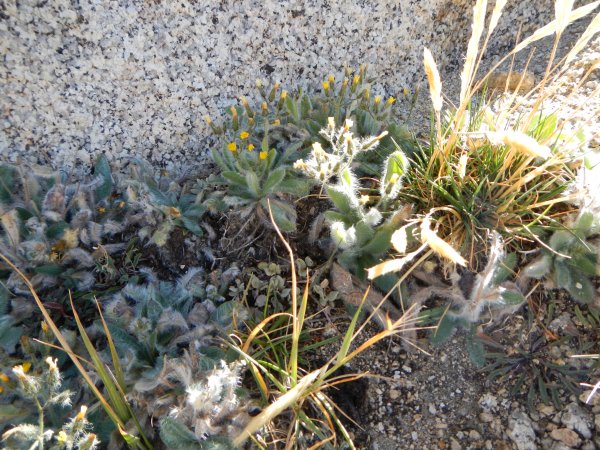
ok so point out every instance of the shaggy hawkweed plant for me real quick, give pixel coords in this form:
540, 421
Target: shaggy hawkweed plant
482, 170
364, 218
44, 390
160, 204
256, 177
53, 228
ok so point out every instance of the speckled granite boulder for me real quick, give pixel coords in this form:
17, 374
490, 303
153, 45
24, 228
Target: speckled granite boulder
136, 77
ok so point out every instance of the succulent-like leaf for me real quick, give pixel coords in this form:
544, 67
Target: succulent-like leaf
283, 213
538, 268
445, 329
505, 268
512, 297
103, 168
562, 240
341, 200
273, 180
580, 287
234, 178
9, 334
176, 435
475, 348
253, 184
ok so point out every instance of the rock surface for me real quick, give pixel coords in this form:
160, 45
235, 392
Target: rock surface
135, 78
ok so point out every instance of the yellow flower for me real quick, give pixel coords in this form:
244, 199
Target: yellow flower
326, 85
1, 389
263, 155
355, 80
62, 437
390, 101
121, 204
377, 99
26, 366
250, 147
244, 135
405, 91
101, 210
276, 122
81, 415
283, 95
331, 79
4, 378
44, 326
232, 147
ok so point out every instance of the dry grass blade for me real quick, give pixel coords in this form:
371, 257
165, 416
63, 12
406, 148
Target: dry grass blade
552, 27
433, 78
473, 48
278, 406
590, 31
496, 13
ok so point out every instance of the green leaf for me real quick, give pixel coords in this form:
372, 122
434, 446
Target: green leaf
292, 108
273, 180
195, 211
253, 184
217, 157
234, 178
6, 183
505, 269
347, 180
295, 186
56, 230
217, 443
562, 274
192, 225
223, 314
4, 302
380, 242
580, 288
585, 263
475, 348
176, 435
9, 334
52, 270
341, 200
584, 225
538, 268
543, 126
366, 124
103, 168
364, 233
562, 240
512, 297
283, 213
445, 329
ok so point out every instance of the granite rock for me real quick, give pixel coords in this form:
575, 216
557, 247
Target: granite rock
135, 78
